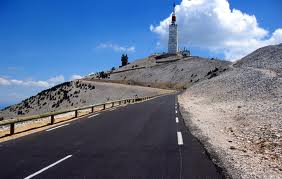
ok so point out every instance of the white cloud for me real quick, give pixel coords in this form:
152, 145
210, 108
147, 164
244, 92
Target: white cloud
4, 81
212, 25
16, 96
76, 77
116, 48
56, 79
30, 83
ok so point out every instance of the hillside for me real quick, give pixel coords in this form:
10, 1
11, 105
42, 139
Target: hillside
237, 115
167, 72
267, 58
175, 72
74, 94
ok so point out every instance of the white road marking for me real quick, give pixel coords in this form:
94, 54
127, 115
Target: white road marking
46, 168
93, 116
176, 120
179, 138
57, 127
175, 111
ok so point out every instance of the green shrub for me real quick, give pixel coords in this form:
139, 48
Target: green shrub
20, 113
103, 75
124, 60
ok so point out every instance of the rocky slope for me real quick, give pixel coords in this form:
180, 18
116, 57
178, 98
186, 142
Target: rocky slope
176, 72
266, 58
74, 94
238, 117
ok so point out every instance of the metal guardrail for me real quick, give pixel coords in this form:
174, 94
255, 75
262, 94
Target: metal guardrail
12, 122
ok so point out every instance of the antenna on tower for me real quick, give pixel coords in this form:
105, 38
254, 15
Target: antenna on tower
173, 18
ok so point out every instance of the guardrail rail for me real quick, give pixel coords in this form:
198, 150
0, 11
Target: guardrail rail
112, 104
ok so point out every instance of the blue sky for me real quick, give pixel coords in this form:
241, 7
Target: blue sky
51, 40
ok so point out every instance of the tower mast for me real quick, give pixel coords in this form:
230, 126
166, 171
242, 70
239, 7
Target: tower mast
173, 17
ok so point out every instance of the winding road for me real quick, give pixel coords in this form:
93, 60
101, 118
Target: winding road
143, 140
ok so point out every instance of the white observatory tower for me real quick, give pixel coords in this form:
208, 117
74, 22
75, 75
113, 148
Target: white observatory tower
173, 35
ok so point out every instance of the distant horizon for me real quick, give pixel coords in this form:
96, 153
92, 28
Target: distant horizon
4, 105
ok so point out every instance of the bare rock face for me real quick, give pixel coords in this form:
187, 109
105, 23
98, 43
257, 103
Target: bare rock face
243, 106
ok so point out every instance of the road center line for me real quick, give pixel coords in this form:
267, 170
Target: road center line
179, 138
57, 127
93, 116
176, 120
46, 168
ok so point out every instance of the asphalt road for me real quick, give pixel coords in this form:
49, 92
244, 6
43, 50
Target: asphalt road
144, 140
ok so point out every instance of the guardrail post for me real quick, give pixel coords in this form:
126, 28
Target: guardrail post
104, 106
52, 119
119, 103
92, 109
113, 104
75, 113
12, 128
